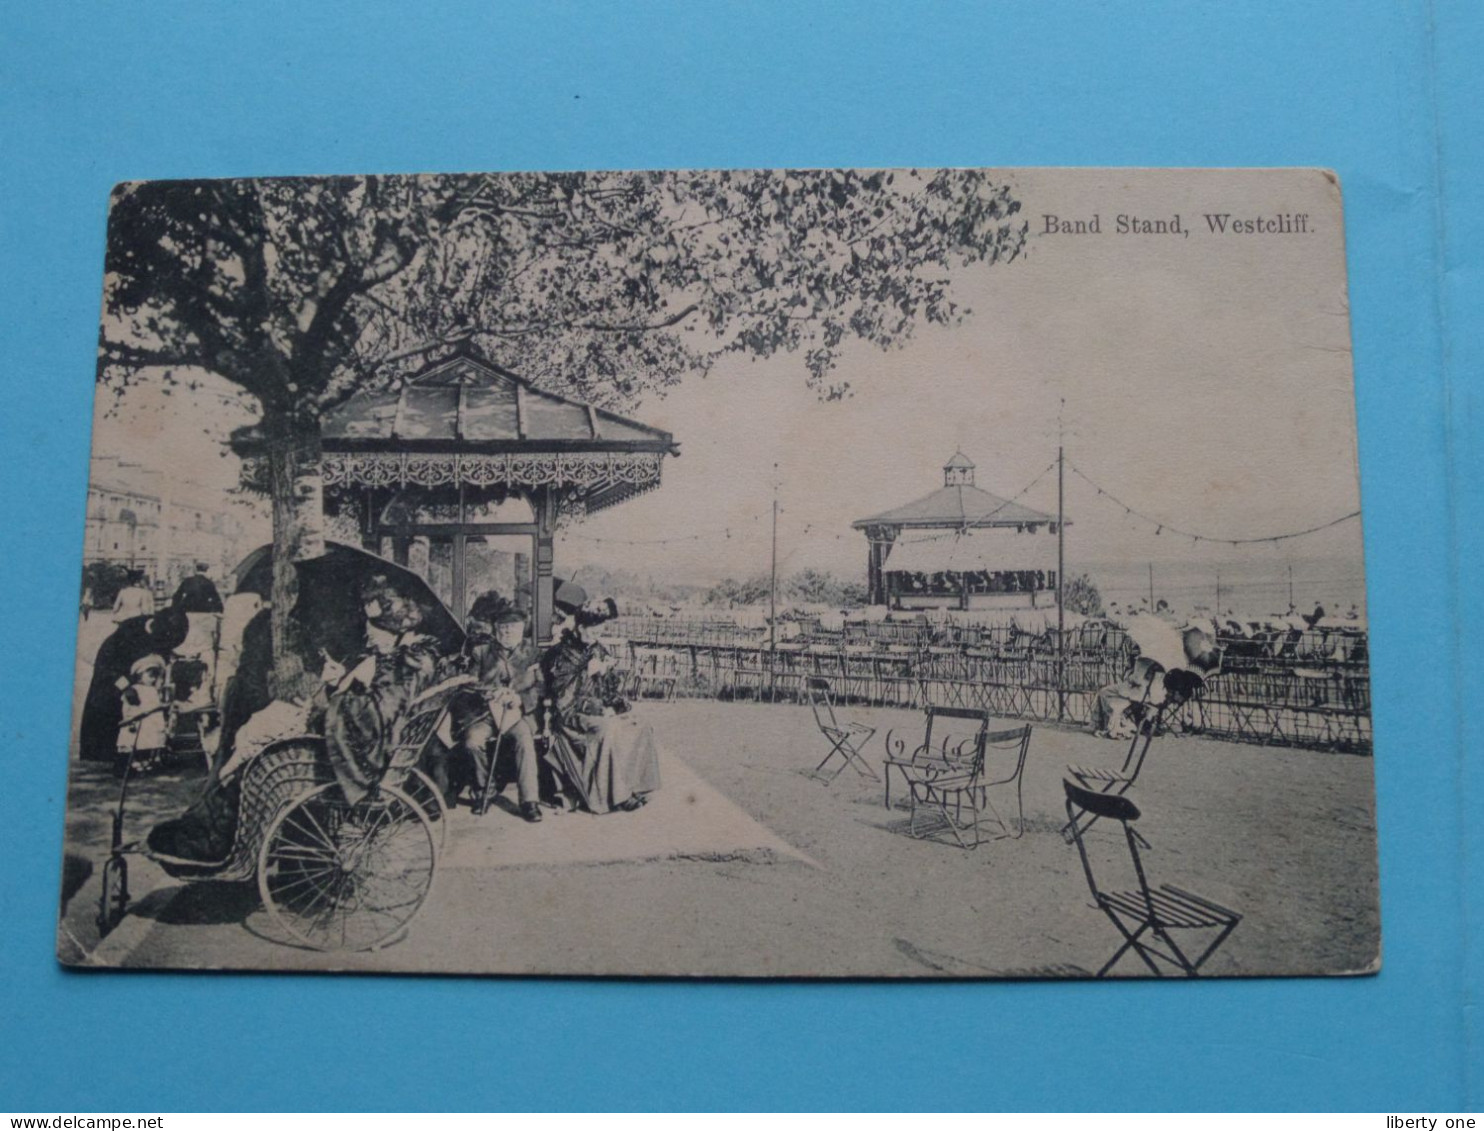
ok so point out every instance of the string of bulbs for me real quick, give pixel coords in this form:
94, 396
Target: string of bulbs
1160, 526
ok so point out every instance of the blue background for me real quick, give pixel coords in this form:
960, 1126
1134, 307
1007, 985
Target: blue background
97, 92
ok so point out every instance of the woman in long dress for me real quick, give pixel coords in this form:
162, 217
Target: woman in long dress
609, 755
129, 643
365, 710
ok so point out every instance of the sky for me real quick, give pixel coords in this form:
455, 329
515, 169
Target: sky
1203, 379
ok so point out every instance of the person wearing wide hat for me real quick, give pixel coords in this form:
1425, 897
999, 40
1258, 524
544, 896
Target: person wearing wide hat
608, 755
566, 598
498, 716
198, 593
365, 712
130, 642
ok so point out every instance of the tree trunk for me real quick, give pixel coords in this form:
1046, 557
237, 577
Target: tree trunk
295, 488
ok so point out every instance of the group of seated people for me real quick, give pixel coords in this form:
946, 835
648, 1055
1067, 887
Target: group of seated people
597, 755
498, 693
555, 716
975, 581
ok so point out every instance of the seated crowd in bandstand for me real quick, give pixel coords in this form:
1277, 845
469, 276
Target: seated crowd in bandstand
975, 582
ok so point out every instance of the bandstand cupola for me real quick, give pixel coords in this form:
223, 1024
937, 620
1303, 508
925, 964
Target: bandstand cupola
958, 471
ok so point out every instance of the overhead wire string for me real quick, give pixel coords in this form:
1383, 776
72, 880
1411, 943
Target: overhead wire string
721, 533
727, 532
1160, 525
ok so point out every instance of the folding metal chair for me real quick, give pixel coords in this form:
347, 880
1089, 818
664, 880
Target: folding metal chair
952, 783
1145, 916
664, 674
952, 747
1120, 781
1015, 745
846, 738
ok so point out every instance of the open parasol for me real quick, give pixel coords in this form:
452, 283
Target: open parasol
1188, 653
329, 604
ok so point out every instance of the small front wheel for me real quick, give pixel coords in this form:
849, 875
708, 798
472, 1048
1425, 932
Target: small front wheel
113, 903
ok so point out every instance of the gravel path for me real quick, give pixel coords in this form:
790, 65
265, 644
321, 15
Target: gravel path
1286, 837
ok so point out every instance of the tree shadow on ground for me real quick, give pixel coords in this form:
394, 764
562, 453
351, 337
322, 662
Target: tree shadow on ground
94, 795
76, 871
199, 904
952, 966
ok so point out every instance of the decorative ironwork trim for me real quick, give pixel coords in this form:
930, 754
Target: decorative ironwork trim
584, 471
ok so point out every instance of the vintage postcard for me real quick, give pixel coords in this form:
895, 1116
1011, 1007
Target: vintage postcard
825, 573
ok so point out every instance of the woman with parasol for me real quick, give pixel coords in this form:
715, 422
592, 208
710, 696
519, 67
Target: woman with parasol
365, 706
371, 631
1186, 655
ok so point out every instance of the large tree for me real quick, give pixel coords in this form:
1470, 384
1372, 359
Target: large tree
598, 285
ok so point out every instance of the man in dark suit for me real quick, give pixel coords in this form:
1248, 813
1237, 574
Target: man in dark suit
198, 598
197, 594
506, 669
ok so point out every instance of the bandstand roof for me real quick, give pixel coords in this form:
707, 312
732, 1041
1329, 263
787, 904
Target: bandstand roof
957, 506
465, 419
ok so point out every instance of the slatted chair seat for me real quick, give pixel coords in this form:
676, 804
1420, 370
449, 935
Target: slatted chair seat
1100, 774
1118, 781
1147, 915
1172, 907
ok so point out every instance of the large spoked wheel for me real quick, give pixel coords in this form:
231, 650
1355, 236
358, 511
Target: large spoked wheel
338, 876
424, 793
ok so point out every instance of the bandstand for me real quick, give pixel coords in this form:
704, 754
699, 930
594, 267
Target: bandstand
960, 547
462, 472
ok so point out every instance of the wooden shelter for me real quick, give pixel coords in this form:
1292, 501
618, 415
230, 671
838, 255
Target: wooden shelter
960, 547
461, 471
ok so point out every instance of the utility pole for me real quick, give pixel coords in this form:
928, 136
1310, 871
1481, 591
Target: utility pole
1061, 581
1290, 585
773, 600
1218, 592
1151, 587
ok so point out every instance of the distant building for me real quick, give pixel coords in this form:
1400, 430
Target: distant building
125, 512
960, 547
200, 528
135, 519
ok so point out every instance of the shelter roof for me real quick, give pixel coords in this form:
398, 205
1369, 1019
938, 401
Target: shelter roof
956, 506
466, 420
468, 403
